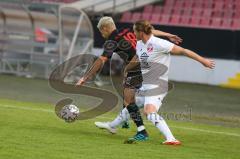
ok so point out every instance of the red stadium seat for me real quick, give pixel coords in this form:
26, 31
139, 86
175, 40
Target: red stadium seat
219, 5
228, 14
179, 4
188, 4
169, 3
167, 10
216, 22
217, 14
157, 9
207, 13
229, 1
198, 4
197, 12
175, 19
227, 23
187, 12
146, 16
195, 21
236, 15
205, 21
177, 11
236, 24
208, 5
136, 16
165, 19
148, 9
208, 1
229, 6
126, 17
237, 6
155, 18
185, 20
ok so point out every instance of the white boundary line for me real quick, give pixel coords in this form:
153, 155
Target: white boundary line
26, 108
107, 118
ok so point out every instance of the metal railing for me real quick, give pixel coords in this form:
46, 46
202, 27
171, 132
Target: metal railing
20, 52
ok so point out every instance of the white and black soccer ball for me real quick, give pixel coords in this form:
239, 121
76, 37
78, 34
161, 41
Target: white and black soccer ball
69, 113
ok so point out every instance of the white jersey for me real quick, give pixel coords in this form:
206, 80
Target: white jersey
154, 57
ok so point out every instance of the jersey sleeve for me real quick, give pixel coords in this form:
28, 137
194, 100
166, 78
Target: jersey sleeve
165, 46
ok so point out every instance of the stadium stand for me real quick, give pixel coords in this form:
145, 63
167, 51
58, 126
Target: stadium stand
221, 14
102, 6
54, 1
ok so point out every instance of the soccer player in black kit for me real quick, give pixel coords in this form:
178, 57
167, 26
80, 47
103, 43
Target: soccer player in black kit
123, 42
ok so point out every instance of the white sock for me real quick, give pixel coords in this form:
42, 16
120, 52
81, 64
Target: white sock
123, 116
160, 123
140, 128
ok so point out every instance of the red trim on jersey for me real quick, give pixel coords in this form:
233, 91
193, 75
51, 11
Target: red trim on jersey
130, 37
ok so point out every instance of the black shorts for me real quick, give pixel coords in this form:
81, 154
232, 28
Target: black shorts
133, 80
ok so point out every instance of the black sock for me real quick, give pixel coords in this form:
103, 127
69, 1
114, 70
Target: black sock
136, 115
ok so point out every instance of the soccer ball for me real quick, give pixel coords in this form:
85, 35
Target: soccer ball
69, 113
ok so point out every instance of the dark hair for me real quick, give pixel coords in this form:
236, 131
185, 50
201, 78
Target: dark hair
144, 26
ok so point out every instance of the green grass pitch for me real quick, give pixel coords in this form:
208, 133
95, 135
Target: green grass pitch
32, 131
29, 128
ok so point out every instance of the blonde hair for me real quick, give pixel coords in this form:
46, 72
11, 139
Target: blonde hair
106, 21
144, 26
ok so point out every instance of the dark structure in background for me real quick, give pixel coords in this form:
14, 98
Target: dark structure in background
213, 43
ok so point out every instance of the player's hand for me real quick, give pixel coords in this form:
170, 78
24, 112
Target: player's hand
175, 39
208, 63
81, 82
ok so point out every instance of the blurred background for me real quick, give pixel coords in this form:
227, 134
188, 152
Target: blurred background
38, 35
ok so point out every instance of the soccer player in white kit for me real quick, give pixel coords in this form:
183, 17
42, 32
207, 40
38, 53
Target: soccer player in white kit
154, 56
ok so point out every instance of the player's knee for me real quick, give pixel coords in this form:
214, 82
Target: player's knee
128, 103
129, 97
129, 100
149, 108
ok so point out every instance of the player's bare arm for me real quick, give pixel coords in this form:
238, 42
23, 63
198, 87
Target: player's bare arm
94, 69
132, 64
177, 50
173, 38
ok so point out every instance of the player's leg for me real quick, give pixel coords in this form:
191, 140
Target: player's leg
152, 105
125, 124
139, 102
112, 126
122, 117
133, 109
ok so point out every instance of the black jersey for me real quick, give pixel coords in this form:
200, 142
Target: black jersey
123, 42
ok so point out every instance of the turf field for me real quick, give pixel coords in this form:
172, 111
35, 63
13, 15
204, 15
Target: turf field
30, 129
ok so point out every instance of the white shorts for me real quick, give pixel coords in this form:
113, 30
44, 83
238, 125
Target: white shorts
155, 100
